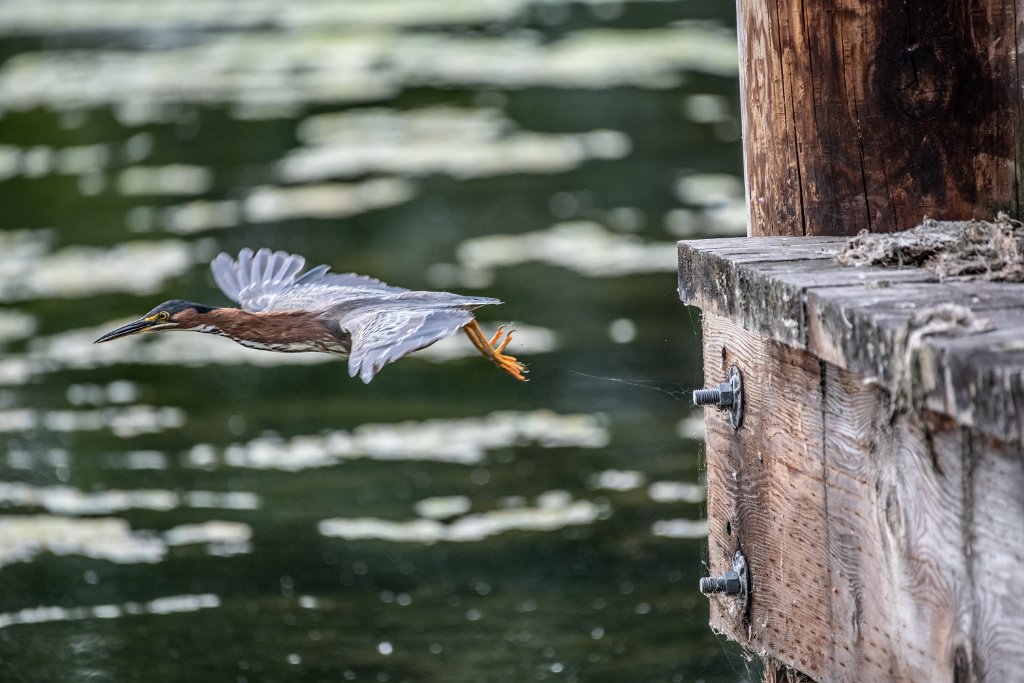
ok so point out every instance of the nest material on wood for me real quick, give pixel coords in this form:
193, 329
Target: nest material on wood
991, 250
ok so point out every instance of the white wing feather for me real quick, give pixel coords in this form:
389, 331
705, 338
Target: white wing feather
383, 336
268, 280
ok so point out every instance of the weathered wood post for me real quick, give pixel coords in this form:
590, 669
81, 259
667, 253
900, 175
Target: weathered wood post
876, 484
868, 114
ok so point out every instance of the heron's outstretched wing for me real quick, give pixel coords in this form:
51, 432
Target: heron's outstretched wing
269, 281
383, 335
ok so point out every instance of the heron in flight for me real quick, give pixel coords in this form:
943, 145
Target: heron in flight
354, 316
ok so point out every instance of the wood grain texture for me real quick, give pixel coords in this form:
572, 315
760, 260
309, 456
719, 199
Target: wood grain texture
882, 545
863, 319
870, 115
995, 544
766, 496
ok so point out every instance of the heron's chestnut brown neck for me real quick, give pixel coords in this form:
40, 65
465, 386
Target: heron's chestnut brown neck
274, 331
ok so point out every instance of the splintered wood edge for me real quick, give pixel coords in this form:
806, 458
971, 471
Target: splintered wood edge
792, 290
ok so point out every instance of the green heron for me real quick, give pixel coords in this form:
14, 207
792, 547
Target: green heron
349, 315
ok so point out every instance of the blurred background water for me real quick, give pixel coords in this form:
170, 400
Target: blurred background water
178, 508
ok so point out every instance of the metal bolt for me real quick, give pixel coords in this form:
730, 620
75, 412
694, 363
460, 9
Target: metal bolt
733, 582
721, 396
726, 396
728, 583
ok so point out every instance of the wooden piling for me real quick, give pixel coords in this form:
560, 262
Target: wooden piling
868, 115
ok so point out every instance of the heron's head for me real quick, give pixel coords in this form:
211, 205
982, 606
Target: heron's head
170, 315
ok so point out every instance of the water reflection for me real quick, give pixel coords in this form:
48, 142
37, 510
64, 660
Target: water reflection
172, 604
463, 441
28, 270
553, 510
69, 501
269, 74
464, 143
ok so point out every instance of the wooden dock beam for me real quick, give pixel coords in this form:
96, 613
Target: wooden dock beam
876, 485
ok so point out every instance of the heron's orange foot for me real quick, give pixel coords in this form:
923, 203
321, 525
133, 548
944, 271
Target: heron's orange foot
494, 348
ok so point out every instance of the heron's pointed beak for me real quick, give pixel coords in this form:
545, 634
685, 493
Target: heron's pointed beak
134, 327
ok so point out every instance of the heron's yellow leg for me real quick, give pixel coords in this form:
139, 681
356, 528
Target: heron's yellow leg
493, 350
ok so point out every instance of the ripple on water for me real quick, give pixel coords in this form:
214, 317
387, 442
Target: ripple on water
676, 492
65, 500
22, 538
617, 480
27, 272
584, 247
269, 204
43, 160
680, 528
443, 507
16, 325
721, 207
172, 179
462, 441
44, 16
460, 142
171, 604
123, 422
262, 74
554, 510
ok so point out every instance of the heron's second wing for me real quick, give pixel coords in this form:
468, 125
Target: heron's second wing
269, 281
385, 335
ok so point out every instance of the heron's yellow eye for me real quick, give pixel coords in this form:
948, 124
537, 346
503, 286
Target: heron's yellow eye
163, 316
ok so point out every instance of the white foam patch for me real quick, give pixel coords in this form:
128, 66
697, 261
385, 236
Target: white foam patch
65, 500
721, 208
691, 427
123, 422
170, 180
617, 480
223, 539
16, 325
443, 507
105, 538
270, 203
45, 16
118, 391
555, 513
460, 142
42, 160
680, 528
74, 272
172, 604
584, 247
463, 441
676, 492
266, 73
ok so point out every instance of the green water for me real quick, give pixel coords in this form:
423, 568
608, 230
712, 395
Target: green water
177, 508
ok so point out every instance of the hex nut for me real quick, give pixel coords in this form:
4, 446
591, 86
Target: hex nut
732, 583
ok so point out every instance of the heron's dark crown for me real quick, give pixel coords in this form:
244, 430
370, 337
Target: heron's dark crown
177, 306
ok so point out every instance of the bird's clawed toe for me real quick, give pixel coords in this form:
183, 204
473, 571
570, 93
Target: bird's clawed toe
494, 348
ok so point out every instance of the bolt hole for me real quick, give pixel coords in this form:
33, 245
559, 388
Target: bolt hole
728, 528
724, 354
